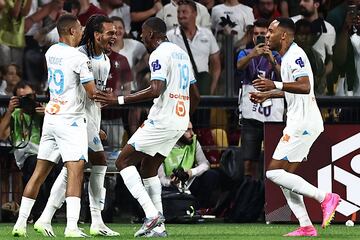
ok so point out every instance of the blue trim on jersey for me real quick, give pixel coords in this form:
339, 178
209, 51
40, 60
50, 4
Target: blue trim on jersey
158, 78
98, 57
86, 80
300, 75
63, 44
193, 81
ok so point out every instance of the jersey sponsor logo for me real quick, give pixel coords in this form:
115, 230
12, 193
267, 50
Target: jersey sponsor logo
179, 96
300, 62
285, 138
155, 65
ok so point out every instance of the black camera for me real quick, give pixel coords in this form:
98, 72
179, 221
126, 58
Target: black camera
181, 174
27, 103
260, 39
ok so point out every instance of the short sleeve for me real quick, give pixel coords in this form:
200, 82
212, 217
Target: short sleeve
241, 55
214, 47
84, 69
158, 66
297, 66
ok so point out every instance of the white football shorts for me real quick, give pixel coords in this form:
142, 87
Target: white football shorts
151, 140
94, 140
294, 146
66, 140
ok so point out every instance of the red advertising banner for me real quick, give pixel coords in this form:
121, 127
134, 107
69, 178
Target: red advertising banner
332, 165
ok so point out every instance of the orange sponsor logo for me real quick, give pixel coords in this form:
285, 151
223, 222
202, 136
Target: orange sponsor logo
285, 138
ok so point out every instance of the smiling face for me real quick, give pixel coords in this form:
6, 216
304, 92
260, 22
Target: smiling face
120, 29
274, 36
107, 37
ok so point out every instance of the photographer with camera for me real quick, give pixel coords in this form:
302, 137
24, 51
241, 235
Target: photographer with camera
254, 63
22, 124
186, 168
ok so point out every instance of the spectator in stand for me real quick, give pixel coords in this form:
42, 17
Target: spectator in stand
116, 8
169, 14
355, 40
209, 4
344, 53
305, 38
203, 46
289, 8
2, 5
266, 9
11, 76
231, 18
12, 31
86, 10
325, 32
26, 116
140, 10
252, 63
188, 155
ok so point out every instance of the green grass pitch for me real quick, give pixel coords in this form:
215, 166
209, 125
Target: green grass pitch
207, 231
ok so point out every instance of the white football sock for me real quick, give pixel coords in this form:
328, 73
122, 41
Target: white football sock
153, 188
297, 206
56, 198
295, 184
24, 211
72, 212
97, 193
133, 182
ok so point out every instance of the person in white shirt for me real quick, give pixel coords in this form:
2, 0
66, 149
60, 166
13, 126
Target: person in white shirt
355, 41
231, 17
169, 14
64, 131
303, 126
175, 97
309, 10
205, 50
99, 34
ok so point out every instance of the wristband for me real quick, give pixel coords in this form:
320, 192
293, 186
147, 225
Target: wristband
279, 85
121, 100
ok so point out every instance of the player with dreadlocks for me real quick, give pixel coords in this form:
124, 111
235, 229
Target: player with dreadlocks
98, 37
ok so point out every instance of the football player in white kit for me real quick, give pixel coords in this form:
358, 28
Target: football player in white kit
304, 124
64, 131
176, 95
99, 34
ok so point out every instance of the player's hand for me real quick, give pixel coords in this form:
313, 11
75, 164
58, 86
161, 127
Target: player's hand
13, 103
103, 135
174, 180
40, 109
268, 54
262, 84
106, 98
258, 97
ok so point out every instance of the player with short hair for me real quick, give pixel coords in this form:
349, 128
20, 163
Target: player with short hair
176, 95
64, 130
303, 126
99, 35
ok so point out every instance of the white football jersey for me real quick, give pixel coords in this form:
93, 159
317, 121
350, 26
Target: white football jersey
67, 70
101, 69
171, 64
302, 112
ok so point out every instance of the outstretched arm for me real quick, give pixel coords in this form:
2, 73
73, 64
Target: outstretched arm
300, 86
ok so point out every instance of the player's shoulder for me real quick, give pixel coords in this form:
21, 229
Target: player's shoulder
294, 51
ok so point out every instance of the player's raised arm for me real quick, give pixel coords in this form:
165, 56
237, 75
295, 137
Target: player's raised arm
300, 86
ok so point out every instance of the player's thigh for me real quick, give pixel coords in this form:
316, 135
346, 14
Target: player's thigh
97, 158
150, 165
129, 157
48, 148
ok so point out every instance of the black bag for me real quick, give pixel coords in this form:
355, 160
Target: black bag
203, 80
232, 165
179, 207
248, 202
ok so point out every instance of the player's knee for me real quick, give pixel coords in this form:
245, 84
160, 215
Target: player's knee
275, 174
120, 164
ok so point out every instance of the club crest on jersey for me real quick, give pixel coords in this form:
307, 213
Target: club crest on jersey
155, 65
300, 62
89, 66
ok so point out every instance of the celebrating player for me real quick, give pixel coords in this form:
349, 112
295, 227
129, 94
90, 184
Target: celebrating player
304, 124
172, 86
99, 35
64, 130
